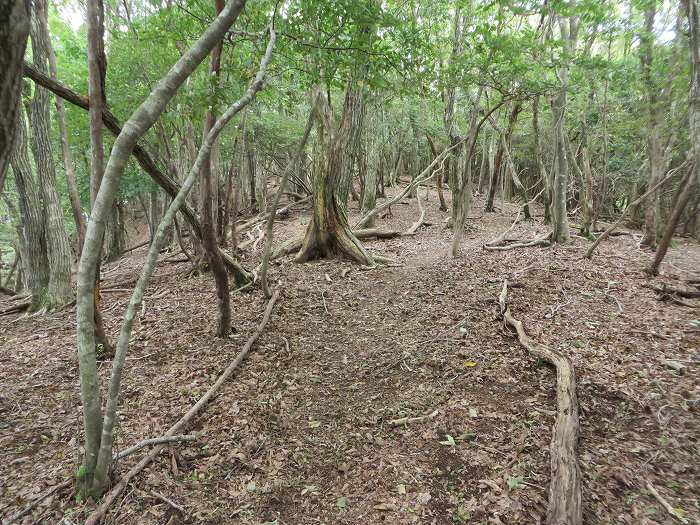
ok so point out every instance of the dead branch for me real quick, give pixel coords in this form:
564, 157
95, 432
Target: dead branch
512, 244
608, 232
17, 308
7, 291
36, 501
565, 486
154, 441
407, 420
668, 290
109, 498
665, 504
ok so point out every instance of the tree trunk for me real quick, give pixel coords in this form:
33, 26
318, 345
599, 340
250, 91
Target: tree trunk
71, 184
33, 238
684, 192
216, 263
59, 291
14, 30
498, 161
438, 174
328, 234
137, 125
654, 146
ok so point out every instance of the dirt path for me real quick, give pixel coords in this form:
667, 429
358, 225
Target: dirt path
302, 435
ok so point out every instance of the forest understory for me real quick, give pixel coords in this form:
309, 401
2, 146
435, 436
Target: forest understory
305, 431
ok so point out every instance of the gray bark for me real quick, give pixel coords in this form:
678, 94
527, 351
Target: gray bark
59, 291
136, 126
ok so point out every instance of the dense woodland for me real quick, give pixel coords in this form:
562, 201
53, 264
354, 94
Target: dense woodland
349, 262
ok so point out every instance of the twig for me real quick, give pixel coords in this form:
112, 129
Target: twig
110, 497
154, 441
407, 420
665, 504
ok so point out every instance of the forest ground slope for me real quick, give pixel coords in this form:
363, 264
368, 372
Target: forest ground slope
301, 434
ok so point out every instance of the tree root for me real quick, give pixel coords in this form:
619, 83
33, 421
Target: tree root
565, 487
110, 497
153, 441
668, 290
511, 244
294, 245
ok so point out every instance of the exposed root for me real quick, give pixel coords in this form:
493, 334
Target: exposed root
110, 497
512, 244
294, 245
565, 487
421, 218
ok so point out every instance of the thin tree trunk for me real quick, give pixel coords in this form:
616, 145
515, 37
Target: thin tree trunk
146, 162
438, 174
137, 125
684, 193
203, 158
216, 264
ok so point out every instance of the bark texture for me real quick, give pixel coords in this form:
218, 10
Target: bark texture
14, 30
564, 506
59, 291
136, 126
328, 234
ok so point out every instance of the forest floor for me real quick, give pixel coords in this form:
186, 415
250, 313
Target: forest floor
301, 434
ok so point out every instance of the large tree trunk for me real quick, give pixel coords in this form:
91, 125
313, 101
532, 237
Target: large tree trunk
33, 238
328, 234
59, 291
137, 125
14, 30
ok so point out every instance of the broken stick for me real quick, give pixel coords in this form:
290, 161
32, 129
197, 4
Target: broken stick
565, 487
406, 420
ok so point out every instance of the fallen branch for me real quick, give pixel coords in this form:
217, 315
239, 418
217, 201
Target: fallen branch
608, 232
154, 441
565, 487
109, 498
667, 290
36, 501
665, 504
7, 291
407, 420
17, 308
508, 244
